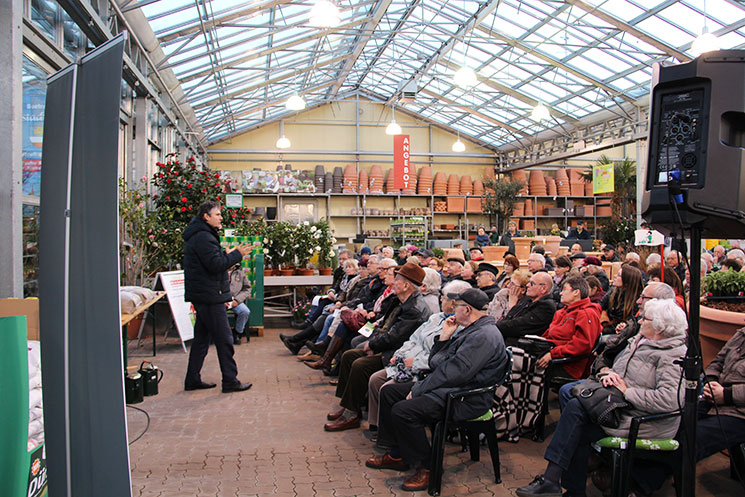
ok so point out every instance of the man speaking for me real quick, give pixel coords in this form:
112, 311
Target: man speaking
207, 287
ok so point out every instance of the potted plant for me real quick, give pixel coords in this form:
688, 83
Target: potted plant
722, 310
304, 245
326, 243
500, 196
281, 241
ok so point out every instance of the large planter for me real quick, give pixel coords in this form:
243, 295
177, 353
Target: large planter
522, 247
551, 244
494, 252
715, 328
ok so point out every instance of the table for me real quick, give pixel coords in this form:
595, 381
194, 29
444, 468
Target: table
274, 310
126, 318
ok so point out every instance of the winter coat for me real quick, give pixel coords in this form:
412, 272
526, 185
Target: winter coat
490, 290
420, 343
506, 239
206, 265
398, 326
603, 279
240, 289
482, 240
653, 384
497, 308
475, 357
575, 234
728, 368
367, 295
574, 331
527, 318
433, 302
615, 344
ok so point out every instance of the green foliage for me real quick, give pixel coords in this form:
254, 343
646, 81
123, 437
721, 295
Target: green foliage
500, 195
623, 199
138, 247
618, 232
725, 284
281, 243
439, 253
325, 241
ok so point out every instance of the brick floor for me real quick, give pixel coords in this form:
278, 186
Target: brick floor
270, 439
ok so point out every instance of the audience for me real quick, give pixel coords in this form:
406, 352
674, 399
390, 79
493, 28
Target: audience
499, 305
486, 279
536, 263
548, 264
530, 310
620, 303
475, 357
671, 278
430, 289
579, 233
425, 257
563, 267
477, 254
653, 259
578, 259
510, 265
673, 261
468, 273
594, 267
719, 254
455, 268
437, 264
576, 248
609, 254
737, 255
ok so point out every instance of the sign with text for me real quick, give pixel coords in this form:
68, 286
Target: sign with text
183, 312
602, 178
401, 167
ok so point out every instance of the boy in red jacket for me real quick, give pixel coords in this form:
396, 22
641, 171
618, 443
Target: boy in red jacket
575, 328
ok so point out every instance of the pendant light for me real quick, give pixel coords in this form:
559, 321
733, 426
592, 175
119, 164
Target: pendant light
282, 141
465, 77
393, 128
459, 146
540, 113
324, 14
295, 102
706, 42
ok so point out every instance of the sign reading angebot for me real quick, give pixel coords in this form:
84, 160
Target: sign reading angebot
401, 155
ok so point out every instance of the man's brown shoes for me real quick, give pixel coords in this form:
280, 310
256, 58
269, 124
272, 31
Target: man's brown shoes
418, 481
342, 424
386, 462
334, 415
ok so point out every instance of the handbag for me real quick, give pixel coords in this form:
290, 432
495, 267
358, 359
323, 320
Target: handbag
604, 405
352, 319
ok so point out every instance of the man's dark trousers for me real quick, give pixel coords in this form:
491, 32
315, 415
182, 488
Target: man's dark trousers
212, 321
402, 423
355, 370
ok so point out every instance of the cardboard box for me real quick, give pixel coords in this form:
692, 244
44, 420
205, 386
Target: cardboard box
473, 205
555, 211
23, 307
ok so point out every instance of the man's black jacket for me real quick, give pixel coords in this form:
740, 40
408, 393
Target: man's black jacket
206, 265
398, 325
527, 318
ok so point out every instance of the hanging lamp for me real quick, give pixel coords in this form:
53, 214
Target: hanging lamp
324, 14
282, 141
459, 146
393, 128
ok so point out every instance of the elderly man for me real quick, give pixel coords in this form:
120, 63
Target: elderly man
486, 279
357, 365
578, 259
719, 254
536, 263
653, 259
477, 254
531, 314
575, 328
387, 252
425, 256
576, 248
579, 233
633, 257
594, 267
475, 357
609, 253
673, 261
737, 255
454, 268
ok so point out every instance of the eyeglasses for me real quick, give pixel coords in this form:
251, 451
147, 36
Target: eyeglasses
644, 297
461, 305
531, 283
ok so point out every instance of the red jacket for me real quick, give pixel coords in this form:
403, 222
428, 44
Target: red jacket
575, 330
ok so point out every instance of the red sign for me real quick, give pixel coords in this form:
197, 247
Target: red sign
401, 157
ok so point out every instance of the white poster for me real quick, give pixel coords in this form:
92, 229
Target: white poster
183, 312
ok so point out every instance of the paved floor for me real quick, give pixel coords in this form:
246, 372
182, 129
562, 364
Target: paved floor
270, 439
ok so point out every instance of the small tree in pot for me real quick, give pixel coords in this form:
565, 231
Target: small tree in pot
500, 195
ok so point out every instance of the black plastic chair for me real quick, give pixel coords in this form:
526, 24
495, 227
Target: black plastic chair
737, 462
622, 457
469, 430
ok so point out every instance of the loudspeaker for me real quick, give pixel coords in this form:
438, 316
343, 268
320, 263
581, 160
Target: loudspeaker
696, 153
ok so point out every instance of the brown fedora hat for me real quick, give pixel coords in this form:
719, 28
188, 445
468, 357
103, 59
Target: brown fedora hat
412, 272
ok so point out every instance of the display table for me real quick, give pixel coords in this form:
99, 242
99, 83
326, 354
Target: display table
126, 318
275, 309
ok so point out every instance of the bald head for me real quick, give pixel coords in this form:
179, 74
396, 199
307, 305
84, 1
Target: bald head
541, 284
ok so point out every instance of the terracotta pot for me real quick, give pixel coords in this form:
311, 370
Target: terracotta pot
325, 271
494, 252
286, 272
528, 207
133, 327
453, 185
522, 247
389, 183
304, 271
551, 243
716, 327
518, 209
268, 272
550, 186
478, 187
588, 189
362, 183
466, 185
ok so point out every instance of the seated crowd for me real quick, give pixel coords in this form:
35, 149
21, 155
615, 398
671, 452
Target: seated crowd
397, 335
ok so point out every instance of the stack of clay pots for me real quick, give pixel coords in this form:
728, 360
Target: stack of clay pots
588, 189
441, 206
489, 173
466, 185
478, 187
528, 207
519, 209
362, 183
576, 182
424, 183
440, 184
562, 183
550, 186
338, 180
453, 185
350, 179
411, 190
519, 175
328, 183
376, 179
320, 178
389, 188
537, 183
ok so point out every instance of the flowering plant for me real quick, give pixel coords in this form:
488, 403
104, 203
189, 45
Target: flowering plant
325, 241
305, 242
280, 238
301, 310
138, 248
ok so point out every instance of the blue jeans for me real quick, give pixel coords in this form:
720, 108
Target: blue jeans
241, 317
325, 332
565, 393
570, 445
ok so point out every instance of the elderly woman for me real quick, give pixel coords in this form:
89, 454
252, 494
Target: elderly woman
469, 272
647, 376
511, 264
499, 305
430, 289
411, 361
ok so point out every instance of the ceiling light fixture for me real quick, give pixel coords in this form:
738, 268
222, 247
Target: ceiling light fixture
325, 14
540, 113
393, 128
295, 102
465, 77
706, 42
282, 141
459, 146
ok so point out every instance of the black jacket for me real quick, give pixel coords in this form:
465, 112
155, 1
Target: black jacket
206, 265
474, 357
574, 234
490, 290
398, 326
527, 318
603, 279
367, 295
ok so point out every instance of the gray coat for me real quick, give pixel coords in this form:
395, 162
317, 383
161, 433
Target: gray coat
728, 369
239, 286
473, 358
653, 384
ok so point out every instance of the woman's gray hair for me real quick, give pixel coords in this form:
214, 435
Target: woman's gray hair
653, 258
455, 286
432, 280
351, 262
666, 317
388, 262
375, 259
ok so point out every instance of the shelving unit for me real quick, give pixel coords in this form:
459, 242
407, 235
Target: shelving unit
352, 214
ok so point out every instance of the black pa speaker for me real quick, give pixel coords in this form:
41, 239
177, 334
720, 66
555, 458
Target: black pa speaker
696, 156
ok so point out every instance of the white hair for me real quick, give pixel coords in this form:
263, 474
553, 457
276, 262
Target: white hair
351, 262
666, 317
388, 262
374, 259
633, 256
737, 255
540, 258
387, 248
661, 291
455, 286
653, 258
432, 280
